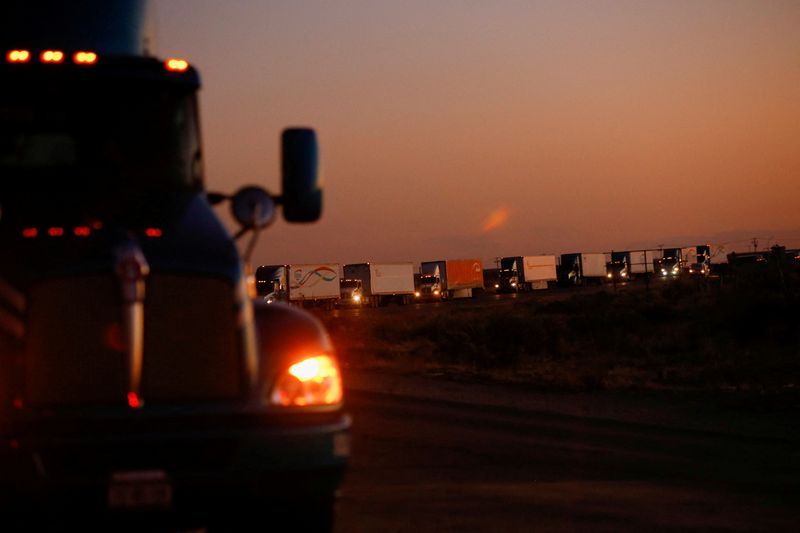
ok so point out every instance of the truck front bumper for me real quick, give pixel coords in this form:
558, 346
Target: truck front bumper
174, 464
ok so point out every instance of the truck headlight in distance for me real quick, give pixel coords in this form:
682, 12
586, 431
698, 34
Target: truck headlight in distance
357, 298
416, 294
608, 275
624, 274
313, 381
436, 292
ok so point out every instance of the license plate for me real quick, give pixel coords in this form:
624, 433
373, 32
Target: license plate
139, 490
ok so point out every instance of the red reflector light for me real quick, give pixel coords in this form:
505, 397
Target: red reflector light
30, 233
84, 58
153, 232
55, 232
134, 402
176, 65
18, 403
52, 56
18, 56
82, 231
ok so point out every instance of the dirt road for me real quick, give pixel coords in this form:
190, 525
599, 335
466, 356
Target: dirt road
433, 455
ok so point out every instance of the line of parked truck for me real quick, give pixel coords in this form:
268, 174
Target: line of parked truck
375, 284
369, 284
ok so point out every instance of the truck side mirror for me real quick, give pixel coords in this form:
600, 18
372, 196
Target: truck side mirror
302, 193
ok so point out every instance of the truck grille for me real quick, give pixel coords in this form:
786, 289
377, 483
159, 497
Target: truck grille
76, 351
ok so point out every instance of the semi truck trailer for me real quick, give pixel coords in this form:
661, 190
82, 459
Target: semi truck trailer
139, 378
303, 284
525, 273
582, 268
382, 283
629, 265
451, 278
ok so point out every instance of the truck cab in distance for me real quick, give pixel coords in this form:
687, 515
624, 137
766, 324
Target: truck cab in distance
351, 292
619, 269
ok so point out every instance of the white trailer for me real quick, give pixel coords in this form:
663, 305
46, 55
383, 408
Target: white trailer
643, 261
313, 282
539, 270
593, 265
382, 282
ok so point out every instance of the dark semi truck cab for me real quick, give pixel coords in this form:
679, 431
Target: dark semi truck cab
138, 377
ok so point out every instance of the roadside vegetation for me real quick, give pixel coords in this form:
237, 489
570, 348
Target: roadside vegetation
680, 335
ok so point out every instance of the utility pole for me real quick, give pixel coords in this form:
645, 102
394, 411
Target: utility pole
755, 244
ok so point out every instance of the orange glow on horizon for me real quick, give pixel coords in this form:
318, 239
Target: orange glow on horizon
496, 219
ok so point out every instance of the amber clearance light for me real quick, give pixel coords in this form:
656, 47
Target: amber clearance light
176, 65
18, 56
52, 56
312, 381
84, 58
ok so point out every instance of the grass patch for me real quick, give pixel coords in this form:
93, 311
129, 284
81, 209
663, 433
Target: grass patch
675, 336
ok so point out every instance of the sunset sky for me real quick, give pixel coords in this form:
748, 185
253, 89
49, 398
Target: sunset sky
507, 127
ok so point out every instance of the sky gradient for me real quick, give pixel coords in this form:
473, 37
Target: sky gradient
479, 129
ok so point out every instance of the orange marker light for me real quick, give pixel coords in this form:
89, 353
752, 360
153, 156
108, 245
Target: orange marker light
176, 65
55, 232
84, 58
52, 56
312, 381
30, 233
18, 56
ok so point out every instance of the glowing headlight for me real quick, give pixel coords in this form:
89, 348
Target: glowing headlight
416, 294
356, 298
663, 272
436, 292
608, 275
312, 381
496, 285
624, 274
513, 283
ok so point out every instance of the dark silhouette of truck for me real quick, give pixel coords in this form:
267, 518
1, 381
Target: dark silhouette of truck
138, 377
